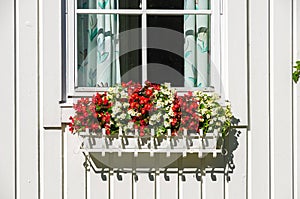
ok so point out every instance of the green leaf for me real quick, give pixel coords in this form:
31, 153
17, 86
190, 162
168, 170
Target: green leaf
296, 73
296, 76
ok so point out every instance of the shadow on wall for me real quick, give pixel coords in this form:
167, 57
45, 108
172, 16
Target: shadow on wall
191, 164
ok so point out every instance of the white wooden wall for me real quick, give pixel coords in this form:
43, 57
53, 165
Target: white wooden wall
40, 158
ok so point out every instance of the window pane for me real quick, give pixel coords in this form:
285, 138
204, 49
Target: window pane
165, 4
179, 4
178, 50
165, 49
109, 4
197, 50
108, 49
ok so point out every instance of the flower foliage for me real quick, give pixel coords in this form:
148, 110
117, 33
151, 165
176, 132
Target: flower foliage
131, 106
85, 117
154, 107
296, 73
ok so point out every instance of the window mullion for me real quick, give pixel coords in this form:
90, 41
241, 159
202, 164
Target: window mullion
109, 11
144, 41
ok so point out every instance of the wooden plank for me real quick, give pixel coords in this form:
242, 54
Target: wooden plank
190, 186
281, 99
75, 174
167, 180
258, 163
144, 186
52, 164
7, 105
297, 148
121, 185
235, 183
236, 168
27, 99
190, 179
50, 59
99, 186
213, 177
236, 52
296, 104
296, 108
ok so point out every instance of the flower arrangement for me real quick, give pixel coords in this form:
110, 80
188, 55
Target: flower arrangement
154, 107
85, 116
131, 106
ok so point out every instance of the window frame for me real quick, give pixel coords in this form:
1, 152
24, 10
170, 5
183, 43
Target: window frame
215, 12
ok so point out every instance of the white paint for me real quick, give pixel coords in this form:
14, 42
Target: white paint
296, 98
258, 145
27, 99
50, 47
51, 186
7, 106
281, 99
278, 171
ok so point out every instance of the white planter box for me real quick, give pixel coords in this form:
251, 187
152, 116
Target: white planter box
182, 144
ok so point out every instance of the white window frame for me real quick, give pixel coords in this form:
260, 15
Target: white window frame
215, 11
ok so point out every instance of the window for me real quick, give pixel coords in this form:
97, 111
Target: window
175, 41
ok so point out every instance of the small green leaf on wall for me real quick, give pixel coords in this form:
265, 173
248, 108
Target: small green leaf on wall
296, 73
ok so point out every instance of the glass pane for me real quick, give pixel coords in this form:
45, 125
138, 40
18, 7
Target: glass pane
179, 4
108, 49
178, 50
197, 4
165, 4
165, 56
109, 4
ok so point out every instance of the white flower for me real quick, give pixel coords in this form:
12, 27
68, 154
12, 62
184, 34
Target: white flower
159, 104
131, 112
165, 116
123, 94
123, 116
222, 119
130, 125
118, 104
171, 112
153, 117
159, 114
166, 124
115, 109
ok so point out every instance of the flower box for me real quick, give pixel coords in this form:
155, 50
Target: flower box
168, 144
123, 120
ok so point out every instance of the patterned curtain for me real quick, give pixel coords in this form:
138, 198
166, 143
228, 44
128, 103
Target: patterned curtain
196, 68
98, 47
87, 31
108, 64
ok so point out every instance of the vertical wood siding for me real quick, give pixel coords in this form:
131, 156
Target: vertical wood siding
296, 108
259, 64
281, 99
27, 103
263, 160
7, 105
